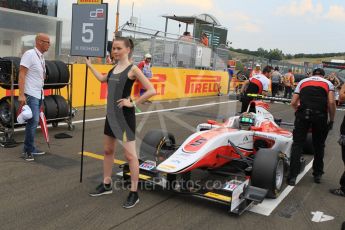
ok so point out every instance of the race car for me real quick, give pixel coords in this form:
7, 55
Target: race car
243, 159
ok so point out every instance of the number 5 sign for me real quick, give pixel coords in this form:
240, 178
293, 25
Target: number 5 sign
89, 30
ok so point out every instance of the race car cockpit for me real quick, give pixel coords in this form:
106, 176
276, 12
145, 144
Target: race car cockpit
246, 120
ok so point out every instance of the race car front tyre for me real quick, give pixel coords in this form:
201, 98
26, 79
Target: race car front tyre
157, 145
268, 172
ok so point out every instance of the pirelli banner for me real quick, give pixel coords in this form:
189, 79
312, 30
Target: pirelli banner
169, 83
183, 83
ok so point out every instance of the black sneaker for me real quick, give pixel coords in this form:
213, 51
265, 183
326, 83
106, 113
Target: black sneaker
132, 200
291, 181
337, 192
317, 179
28, 156
102, 189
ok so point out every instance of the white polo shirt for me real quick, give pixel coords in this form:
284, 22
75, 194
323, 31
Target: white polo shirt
261, 81
33, 59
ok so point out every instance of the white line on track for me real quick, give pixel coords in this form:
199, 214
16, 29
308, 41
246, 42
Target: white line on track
268, 205
148, 112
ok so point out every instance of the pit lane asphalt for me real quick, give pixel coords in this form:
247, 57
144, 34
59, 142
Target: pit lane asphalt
46, 193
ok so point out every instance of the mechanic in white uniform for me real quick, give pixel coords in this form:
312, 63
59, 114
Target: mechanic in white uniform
313, 100
257, 84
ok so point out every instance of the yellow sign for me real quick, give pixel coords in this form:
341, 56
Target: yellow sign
218, 196
89, 1
170, 83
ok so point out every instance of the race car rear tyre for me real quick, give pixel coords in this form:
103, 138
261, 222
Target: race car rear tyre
63, 73
52, 76
308, 147
50, 108
268, 172
62, 106
157, 145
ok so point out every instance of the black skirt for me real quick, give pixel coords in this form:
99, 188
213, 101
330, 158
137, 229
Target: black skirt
127, 130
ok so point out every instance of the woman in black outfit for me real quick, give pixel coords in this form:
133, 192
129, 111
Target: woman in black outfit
120, 118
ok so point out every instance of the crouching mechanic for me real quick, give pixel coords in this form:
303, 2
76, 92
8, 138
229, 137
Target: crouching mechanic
258, 84
312, 100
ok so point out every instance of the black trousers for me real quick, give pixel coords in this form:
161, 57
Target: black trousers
275, 89
342, 179
288, 92
318, 124
245, 102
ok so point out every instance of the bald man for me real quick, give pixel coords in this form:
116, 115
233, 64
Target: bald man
32, 72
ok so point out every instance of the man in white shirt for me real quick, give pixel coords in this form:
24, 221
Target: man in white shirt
32, 72
257, 84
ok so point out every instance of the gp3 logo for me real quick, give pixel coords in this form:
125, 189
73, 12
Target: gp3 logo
98, 13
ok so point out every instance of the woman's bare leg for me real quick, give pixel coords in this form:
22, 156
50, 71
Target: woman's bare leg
132, 158
109, 148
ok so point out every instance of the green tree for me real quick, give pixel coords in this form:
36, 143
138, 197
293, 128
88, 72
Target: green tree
289, 56
275, 54
261, 52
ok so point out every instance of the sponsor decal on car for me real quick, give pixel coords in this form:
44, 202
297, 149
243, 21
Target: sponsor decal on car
147, 166
231, 185
265, 136
218, 196
248, 139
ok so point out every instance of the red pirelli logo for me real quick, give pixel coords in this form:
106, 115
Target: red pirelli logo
202, 84
158, 81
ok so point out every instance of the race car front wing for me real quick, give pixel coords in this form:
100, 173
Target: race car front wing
236, 193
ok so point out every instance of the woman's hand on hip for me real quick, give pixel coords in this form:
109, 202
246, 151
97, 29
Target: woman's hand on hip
124, 102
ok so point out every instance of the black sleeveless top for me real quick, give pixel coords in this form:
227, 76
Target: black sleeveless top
121, 120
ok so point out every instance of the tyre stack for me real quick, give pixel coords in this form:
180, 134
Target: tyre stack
56, 108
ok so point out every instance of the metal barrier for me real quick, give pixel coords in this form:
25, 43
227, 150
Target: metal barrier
284, 66
171, 51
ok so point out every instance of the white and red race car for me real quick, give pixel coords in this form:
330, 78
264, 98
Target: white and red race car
244, 158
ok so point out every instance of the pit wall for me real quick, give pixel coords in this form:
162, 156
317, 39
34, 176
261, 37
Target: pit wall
170, 83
